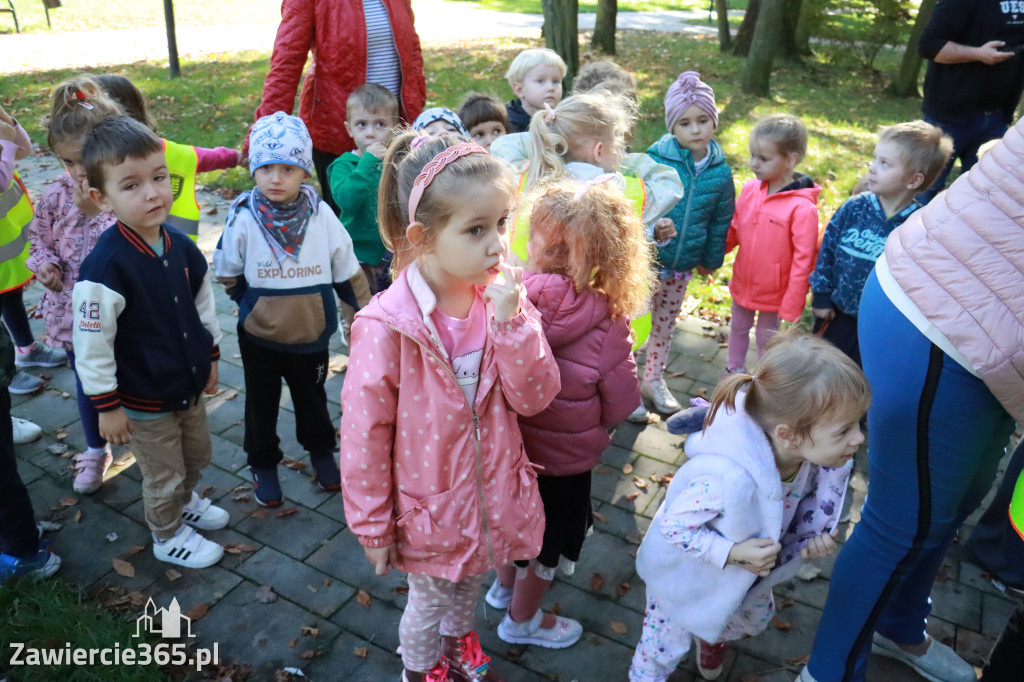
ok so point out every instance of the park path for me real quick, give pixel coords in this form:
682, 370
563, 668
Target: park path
436, 21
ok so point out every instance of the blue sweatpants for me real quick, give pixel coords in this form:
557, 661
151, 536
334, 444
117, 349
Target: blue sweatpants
936, 436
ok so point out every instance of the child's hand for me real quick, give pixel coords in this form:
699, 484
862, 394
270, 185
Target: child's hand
83, 201
211, 382
116, 427
664, 229
5, 117
378, 149
705, 272
826, 314
756, 555
505, 292
382, 558
228, 282
50, 276
8, 133
243, 160
818, 547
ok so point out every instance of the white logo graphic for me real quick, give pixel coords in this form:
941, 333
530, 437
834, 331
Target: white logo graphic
170, 621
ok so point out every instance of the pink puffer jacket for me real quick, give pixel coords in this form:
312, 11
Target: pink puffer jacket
449, 483
961, 261
599, 384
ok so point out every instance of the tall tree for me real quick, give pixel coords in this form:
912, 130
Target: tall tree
604, 26
789, 46
172, 40
724, 38
561, 34
745, 34
905, 84
758, 69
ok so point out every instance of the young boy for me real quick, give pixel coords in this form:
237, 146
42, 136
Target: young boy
372, 114
294, 255
146, 337
908, 157
485, 118
535, 77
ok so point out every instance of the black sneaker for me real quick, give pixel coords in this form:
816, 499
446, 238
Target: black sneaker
266, 486
328, 477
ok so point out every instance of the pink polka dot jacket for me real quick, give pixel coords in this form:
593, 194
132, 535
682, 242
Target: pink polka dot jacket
448, 482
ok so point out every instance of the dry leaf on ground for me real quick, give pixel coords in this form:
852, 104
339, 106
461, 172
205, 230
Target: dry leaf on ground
799, 660
596, 582
259, 513
632, 496
78, 516
308, 654
68, 501
123, 568
624, 589
311, 631
617, 626
197, 611
780, 624
287, 512
360, 652
627, 469
639, 483
364, 599
171, 574
136, 549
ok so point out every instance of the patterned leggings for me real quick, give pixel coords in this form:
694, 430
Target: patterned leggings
436, 607
665, 304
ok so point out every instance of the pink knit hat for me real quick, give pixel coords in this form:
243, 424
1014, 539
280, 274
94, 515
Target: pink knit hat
688, 90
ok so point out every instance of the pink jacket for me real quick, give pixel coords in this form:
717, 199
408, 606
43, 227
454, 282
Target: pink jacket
778, 240
960, 260
599, 384
448, 482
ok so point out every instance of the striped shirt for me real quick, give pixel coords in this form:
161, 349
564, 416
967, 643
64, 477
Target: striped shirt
382, 65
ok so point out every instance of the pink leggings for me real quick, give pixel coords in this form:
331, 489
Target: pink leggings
665, 304
435, 607
739, 333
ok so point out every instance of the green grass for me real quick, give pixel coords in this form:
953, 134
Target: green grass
89, 15
49, 613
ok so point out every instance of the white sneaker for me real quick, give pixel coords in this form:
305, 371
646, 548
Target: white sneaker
189, 549
498, 595
24, 431
565, 633
204, 515
639, 415
657, 392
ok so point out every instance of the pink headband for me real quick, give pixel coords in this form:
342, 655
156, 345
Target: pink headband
436, 165
549, 114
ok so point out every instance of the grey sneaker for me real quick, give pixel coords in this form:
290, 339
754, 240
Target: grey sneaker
639, 415
41, 355
23, 382
657, 392
939, 663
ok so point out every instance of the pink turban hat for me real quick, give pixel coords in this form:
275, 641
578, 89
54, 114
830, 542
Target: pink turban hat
688, 90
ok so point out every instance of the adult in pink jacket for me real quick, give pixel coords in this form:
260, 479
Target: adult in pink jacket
778, 235
941, 329
353, 43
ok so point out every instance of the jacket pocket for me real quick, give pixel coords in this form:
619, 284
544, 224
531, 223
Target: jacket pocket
287, 320
426, 528
526, 494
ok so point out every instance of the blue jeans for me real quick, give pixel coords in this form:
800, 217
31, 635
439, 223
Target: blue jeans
967, 137
936, 437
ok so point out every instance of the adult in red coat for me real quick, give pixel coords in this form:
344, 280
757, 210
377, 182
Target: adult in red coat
336, 32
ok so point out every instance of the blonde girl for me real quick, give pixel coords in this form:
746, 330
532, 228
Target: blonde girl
591, 271
762, 490
775, 227
66, 226
435, 478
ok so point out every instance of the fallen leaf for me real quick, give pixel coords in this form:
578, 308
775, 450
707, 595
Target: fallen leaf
123, 568
618, 627
68, 501
360, 652
666, 479
513, 656
624, 589
259, 513
244, 547
401, 589
241, 497
293, 464
639, 483
205, 492
287, 512
50, 526
784, 604
598, 516
702, 393
308, 654
326, 582
780, 624
241, 488
231, 549
60, 434
627, 469
654, 478
112, 537
78, 516
632, 496
231, 395
293, 642
265, 595
596, 582
137, 599
602, 471
312, 632
58, 448
135, 549
172, 575
556, 609
212, 211
197, 611
674, 375
364, 599
634, 537
799, 660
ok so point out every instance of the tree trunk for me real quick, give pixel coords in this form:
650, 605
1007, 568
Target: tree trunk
561, 34
724, 37
745, 34
758, 70
803, 28
604, 26
788, 46
172, 40
905, 84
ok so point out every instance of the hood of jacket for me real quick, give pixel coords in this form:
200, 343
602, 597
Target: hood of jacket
669, 148
568, 315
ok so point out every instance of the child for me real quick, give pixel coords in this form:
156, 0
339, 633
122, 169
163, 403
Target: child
762, 490
592, 267
776, 229
183, 161
65, 229
908, 157
435, 478
292, 250
605, 75
702, 216
354, 177
146, 337
440, 121
484, 116
535, 76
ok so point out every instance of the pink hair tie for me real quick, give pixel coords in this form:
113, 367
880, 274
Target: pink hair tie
419, 141
432, 169
549, 114
599, 180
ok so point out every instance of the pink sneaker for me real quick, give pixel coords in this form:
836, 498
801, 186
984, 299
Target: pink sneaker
89, 469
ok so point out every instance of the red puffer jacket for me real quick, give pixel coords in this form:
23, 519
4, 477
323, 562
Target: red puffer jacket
335, 30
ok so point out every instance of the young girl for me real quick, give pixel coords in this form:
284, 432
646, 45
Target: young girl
65, 229
592, 271
762, 490
702, 216
440, 121
776, 228
434, 475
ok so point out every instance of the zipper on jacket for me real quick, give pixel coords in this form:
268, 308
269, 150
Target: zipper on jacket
476, 437
681, 229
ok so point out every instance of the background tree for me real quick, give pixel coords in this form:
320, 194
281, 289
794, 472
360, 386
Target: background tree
745, 34
561, 34
758, 69
905, 84
172, 40
604, 26
724, 38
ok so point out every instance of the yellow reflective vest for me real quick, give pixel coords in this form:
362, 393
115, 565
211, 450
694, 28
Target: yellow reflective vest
1017, 507
182, 165
15, 217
